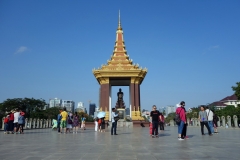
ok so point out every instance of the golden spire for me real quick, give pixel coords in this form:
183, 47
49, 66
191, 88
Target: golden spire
119, 22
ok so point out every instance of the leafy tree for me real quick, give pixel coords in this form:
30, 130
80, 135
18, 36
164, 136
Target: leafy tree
164, 112
236, 89
29, 105
194, 113
170, 116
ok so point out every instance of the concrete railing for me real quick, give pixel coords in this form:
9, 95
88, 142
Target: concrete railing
34, 123
226, 122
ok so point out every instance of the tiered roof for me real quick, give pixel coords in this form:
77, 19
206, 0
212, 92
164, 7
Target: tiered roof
120, 61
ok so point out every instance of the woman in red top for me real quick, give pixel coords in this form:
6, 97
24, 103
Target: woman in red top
181, 111
10, 123
6, 121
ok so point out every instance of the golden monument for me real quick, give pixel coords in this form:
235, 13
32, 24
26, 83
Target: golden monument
120, 71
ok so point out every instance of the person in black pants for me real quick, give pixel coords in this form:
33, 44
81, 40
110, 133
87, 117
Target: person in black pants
155, 118
114, 123
184, 131
204, 121
161, 121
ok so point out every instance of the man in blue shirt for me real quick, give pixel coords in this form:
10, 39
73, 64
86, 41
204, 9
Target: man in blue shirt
59, 117
114, 123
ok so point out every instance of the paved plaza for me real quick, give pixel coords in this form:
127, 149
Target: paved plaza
130, 144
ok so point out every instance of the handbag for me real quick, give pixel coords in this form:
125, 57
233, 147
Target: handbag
116, 118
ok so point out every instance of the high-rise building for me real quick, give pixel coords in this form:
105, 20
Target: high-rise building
80, 107
170, 109
56, 102
69, 104
92, 107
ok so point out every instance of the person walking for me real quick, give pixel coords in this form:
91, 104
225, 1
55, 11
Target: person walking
69, 123
182, 115
203, 120
21, 122
83, 123
215, 120
155, 119
59, 118
96, 124
103, 125
10, 123
75, 123
161, 122
99, 124
63, 123
114, 122
210, 119
6, 121
184, 131
15, 122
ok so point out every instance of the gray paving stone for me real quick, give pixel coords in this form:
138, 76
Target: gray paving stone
129, 144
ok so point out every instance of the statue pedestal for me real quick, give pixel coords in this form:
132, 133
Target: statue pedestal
121, 113
136, 116
107, 116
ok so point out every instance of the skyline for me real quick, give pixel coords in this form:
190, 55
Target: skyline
190, 48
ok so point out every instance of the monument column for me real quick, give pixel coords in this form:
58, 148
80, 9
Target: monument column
104, 96
132, 92
137, 99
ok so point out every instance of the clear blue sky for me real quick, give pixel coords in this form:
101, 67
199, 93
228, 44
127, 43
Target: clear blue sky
49, 48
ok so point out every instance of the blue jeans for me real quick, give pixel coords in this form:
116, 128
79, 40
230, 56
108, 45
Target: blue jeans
180, 127
5, 127
210, 124
114, 127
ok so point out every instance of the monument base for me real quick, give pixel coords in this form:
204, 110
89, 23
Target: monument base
136, 116
122, 123
121, 113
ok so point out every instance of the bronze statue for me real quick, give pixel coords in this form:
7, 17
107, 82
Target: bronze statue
120, 94
120, 102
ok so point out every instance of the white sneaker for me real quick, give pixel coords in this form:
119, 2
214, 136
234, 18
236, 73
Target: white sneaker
180, 139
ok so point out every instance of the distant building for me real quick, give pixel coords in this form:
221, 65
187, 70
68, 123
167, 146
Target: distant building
69, 104
80, 107
229, 100
56, 102
127, 111
170, 109
92, 107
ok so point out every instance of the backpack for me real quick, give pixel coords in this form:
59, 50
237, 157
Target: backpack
177, 118
70, 121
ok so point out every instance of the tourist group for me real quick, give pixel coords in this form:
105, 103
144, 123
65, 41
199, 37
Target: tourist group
14, 122
206, 117
68, 122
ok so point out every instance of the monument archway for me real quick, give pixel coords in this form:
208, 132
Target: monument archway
120, 71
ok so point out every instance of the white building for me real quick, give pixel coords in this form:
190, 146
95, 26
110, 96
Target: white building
80, 107
56, 102
69, 104
170, 109
229, 100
